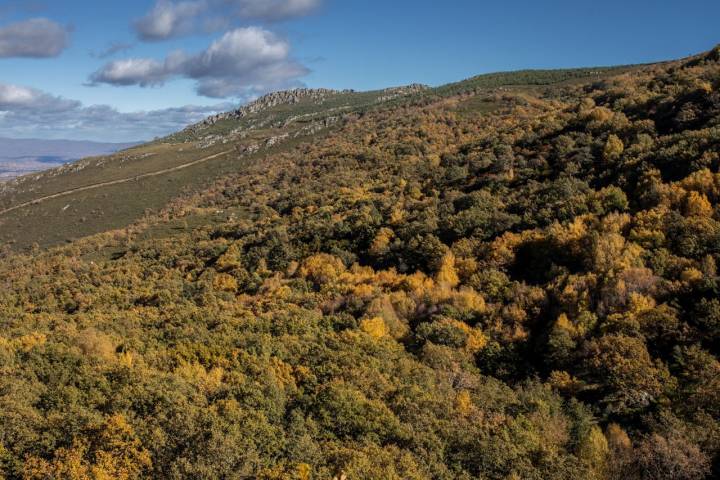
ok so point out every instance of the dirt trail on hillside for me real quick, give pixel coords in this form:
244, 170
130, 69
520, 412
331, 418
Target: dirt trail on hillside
113, 182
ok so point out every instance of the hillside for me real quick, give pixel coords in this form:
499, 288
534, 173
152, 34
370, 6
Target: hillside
232, 141
511, 277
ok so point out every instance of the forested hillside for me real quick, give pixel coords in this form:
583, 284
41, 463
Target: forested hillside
497, 281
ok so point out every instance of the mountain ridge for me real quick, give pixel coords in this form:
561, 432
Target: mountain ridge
268, 124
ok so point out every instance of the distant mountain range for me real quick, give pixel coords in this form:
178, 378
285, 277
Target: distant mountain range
22, 156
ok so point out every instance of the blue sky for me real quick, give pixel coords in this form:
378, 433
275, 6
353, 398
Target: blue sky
177, 61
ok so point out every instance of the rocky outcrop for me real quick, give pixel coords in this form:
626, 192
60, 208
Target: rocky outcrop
285, 97
291, 97
288, 97
395, 92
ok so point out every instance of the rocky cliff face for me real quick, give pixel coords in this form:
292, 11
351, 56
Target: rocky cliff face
286, 97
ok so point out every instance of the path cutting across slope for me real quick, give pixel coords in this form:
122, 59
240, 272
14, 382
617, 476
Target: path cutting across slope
113, 182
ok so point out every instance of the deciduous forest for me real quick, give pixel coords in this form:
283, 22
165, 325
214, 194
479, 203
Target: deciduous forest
499, 283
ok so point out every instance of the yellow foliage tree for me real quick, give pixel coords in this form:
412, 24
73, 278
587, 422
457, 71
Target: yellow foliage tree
594, 451
613, 253
381, 242
614, 147
31, 340
68, 464
468, 300
703, 181
691, 275
303, 471
447, 276
225, 283
601, 114
586, 104
374, 327
697, 204
322, 268
463, 402
117, 454
476, 340
231, 259
120, 455
640, 303
563, 381
207, 381
418, 284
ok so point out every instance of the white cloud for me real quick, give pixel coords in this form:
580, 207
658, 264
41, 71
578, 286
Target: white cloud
17, 98
27, 112
242, 63
169, 19
132, 71
34, 38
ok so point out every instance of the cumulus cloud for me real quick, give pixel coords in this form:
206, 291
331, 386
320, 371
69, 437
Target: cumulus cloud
169, 18
34, 38
132, 71
19, 98
243, 63
27, 112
